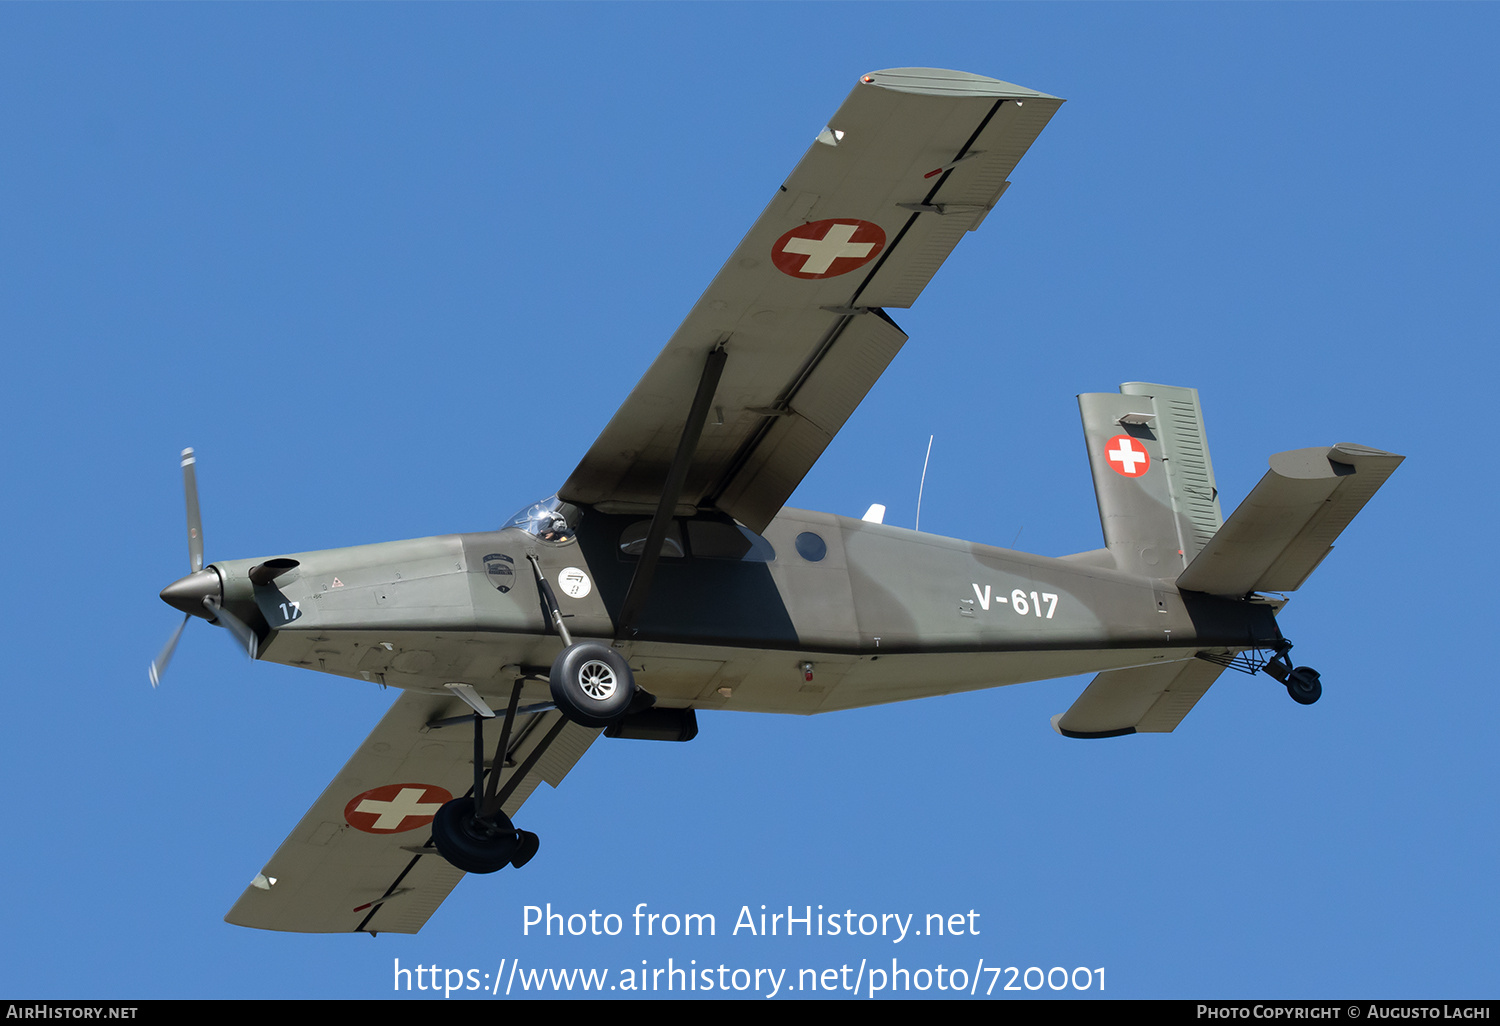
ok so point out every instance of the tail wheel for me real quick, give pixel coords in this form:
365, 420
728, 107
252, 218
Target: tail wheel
1304, 685
592, 684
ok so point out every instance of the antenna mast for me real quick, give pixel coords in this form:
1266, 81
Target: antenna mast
924, 482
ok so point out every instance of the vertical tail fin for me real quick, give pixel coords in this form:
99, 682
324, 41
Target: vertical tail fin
1153, 478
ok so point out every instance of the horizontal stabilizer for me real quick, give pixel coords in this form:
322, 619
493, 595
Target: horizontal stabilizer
1142, 699
1288, 523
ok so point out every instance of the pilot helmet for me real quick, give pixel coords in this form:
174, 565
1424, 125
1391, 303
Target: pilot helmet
552, 526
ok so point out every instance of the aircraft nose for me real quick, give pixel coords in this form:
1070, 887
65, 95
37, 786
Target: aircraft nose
188, 594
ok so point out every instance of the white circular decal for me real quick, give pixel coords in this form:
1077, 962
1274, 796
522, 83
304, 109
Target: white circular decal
574, 582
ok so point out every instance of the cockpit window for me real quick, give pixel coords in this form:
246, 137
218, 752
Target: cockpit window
551, 521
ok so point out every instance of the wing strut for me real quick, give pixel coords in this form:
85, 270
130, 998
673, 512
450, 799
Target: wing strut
531, 760
692, 430
485, 792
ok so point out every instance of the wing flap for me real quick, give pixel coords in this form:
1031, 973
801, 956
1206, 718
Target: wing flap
790, 443
903, 140
331, 876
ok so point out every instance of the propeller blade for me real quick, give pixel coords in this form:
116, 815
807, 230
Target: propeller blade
159, 664
194, 520
242, 633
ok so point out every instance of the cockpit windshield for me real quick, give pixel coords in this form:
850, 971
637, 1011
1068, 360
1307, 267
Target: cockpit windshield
551, 520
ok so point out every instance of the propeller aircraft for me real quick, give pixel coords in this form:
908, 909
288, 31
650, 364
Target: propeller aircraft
666, 576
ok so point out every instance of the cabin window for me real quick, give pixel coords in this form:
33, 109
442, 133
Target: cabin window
811, 547
633, 540
718, 539
705, 539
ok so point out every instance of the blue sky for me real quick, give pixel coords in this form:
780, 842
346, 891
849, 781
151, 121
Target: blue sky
390, 268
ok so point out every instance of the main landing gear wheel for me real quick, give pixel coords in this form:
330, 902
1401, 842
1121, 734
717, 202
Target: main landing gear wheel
1304, 685
480, 845
592, 684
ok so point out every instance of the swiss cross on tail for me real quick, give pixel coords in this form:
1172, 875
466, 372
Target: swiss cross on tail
393, 808
1127, 456
827, 249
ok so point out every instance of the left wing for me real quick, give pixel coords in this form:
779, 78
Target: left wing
362, 857
913, 159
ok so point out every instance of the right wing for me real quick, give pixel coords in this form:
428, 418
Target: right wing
363, 861
913, 159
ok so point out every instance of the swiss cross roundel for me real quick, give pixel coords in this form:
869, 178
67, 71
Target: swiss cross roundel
393, 808
1127, 456
827, 249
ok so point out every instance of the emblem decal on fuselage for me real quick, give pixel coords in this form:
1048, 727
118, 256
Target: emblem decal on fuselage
501, 571
574, 582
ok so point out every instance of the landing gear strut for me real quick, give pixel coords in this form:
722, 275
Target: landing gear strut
591, 683
473, 833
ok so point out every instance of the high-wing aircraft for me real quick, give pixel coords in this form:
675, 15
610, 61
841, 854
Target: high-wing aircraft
666, 576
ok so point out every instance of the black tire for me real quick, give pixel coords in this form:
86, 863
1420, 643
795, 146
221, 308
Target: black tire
592, 684
1304, 685
471, 845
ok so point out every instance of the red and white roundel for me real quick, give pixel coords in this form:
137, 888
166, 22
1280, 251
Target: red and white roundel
393, 808
1127, 456
827, 249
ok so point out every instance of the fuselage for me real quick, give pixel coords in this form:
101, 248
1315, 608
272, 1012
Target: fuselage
821, 612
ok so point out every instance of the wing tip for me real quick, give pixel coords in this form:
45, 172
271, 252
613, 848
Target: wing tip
945, 82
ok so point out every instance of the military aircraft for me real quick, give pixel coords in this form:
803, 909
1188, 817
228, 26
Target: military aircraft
665, 576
